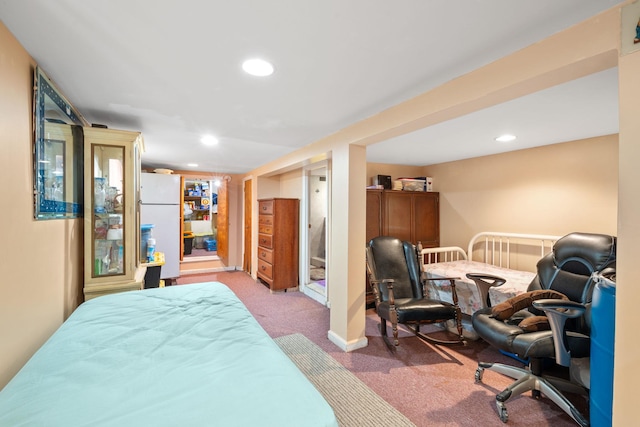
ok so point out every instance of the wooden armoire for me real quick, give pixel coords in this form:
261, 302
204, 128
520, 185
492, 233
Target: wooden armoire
408, 215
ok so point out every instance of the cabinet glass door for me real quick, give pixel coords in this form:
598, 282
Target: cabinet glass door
108, 200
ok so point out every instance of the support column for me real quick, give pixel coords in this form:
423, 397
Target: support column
347, 256
626, 374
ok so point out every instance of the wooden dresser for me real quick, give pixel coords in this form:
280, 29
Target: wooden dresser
278, 242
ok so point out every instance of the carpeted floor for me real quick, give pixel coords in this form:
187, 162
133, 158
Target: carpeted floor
432, 385
354, 404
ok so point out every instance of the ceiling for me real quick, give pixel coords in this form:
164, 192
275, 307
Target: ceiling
172, 70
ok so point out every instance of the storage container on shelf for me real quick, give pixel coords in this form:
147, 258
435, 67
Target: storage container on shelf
410, 184
146, 232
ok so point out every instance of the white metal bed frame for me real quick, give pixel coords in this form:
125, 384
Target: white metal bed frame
496, 251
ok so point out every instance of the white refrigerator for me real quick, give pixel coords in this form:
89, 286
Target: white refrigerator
160, 206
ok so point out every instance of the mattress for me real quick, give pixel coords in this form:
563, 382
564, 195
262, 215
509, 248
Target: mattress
189, 355
468, 297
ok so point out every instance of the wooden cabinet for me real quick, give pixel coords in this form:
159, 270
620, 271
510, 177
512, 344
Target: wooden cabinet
278, 242
111, 214
408, 215
374, 214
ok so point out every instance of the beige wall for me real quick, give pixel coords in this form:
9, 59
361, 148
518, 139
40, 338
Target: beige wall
42, 260
394, 171
554, 189
291, 184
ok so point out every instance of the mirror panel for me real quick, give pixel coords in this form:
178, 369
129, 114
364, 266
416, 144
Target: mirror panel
58, 154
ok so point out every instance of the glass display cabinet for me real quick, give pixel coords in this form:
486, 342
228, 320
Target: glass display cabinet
111, 213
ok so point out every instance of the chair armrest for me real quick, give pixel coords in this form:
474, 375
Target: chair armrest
558, 311
452, 281
489, 279
376, 291
442, 278
483, 283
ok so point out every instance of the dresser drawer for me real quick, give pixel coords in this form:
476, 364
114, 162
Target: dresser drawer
265, 220
265, 240
265, 229
265, 207
265, 255
265, 269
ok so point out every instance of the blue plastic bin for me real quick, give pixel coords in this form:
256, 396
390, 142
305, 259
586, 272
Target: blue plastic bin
211, 244
603, 320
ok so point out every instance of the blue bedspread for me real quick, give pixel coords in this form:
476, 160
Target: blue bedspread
189, 355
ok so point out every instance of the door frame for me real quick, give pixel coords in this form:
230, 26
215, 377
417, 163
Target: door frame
304, 232
247, 184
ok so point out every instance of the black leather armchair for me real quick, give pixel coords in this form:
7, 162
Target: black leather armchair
570, 270
399, 289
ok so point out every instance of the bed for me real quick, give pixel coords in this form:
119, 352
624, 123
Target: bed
183, 355
511, 256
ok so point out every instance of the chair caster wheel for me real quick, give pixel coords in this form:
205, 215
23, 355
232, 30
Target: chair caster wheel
479, 373
502, 412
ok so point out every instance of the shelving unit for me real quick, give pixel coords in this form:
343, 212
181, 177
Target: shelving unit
199, 195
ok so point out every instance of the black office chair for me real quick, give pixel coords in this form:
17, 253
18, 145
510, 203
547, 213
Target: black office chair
516, 326
399, 289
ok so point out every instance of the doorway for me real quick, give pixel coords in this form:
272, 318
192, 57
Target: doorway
200, 226
316, 209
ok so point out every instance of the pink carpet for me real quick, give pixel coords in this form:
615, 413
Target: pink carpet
431, 385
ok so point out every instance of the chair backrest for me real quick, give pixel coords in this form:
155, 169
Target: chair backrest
391, 258
569, 269
570, 266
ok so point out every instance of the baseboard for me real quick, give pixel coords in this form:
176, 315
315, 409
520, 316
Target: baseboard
209, 270
190, 259
347, 346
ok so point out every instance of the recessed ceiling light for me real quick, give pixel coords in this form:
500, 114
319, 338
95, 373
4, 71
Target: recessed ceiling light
192, 165
506, 138
217, 182
257, 67
209, 140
